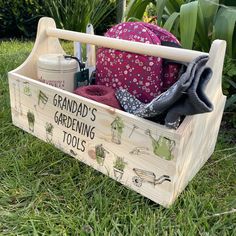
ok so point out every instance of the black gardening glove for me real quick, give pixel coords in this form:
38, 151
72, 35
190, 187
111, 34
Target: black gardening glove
194, 101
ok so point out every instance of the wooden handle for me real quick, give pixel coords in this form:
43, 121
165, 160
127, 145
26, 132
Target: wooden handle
177, 54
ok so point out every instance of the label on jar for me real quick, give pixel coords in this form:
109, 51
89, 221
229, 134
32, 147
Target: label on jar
55, 83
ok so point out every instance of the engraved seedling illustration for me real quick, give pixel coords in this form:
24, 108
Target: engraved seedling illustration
26, 89
31, 120
49, 131
117, 127
162, 147
144, 176
42, 99
119, 166
14, 88
17, 97
100, 154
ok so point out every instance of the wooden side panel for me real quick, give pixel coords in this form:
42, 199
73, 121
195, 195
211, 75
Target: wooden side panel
199, 132
43, 45
198, 145
138, 153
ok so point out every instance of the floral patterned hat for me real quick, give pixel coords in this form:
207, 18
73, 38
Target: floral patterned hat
143, 76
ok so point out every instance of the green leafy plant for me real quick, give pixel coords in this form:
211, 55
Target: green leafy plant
136, 9
19, 17
108, 21
76, 14
195, 23
229, 84
225, 28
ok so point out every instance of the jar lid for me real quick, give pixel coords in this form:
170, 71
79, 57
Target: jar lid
56, 62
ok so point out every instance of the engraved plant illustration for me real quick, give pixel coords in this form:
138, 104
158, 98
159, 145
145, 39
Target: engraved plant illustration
119, 166
26, 89
100, 154
117, 127
49, 131
31, 120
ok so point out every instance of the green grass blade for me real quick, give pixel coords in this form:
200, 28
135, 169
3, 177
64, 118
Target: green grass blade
188, 22
225, 28
232, 83
201, 38
136, 8
209, 10
173, 5
76, 14
133, 19
171, 21
230, 101
160, 5
100, 11
228, 2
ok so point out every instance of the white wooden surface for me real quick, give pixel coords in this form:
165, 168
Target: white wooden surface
199, 132
194, 140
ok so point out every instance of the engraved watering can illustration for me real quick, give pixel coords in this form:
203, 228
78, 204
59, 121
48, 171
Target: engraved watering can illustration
162, 147
144, 176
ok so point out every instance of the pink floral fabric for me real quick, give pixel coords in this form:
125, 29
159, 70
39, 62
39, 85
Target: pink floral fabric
143, 76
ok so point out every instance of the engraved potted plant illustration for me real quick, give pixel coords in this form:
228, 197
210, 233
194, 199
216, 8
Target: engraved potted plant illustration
31, 120
49, 131
119, 166
42, 99
100, 154
117, 127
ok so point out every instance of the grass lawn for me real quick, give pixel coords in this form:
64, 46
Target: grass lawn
45, 192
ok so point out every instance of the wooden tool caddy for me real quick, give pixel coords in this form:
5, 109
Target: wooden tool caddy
149, 158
